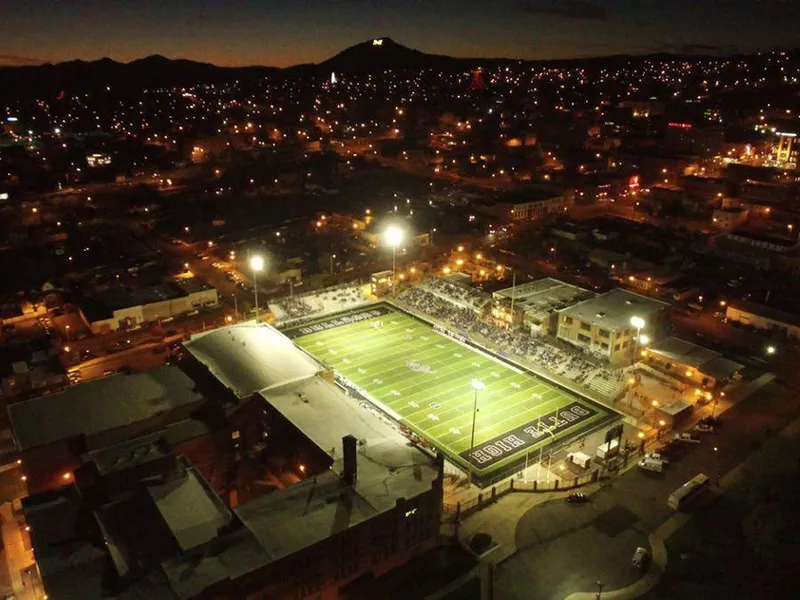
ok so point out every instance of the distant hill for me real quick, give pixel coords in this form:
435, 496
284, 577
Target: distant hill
371, 56
145, 73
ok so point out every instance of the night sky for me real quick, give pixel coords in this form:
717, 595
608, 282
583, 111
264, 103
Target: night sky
286, 32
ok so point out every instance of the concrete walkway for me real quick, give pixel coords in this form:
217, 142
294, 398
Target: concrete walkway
658, 563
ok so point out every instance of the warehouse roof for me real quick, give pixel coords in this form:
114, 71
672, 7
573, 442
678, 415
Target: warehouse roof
100, 405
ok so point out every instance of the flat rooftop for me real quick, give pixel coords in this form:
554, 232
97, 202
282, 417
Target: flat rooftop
544, 295
701, 359
613, 310
247, 358
389, 468
100, 405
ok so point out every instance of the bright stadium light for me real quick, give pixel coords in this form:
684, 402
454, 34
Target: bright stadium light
477, 386
257, 264
394, 237
637, 322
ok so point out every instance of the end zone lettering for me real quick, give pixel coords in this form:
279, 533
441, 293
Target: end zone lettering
337, 321
503, 446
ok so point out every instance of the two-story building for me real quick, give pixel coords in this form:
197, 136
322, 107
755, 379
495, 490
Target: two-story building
604, 325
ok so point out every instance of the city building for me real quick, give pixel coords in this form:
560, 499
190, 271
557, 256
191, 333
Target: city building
52, 433
691, 364
760, 316
123, 309
536, 304
603, 325
362, 499
786, 150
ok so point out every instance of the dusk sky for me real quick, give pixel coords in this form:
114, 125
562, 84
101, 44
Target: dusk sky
286, 32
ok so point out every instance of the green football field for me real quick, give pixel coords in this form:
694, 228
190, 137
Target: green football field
424, 380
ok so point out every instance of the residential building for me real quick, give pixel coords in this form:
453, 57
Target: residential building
122, 309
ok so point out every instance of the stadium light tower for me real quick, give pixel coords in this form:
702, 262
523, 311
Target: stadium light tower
477, 386
639, 323
257, 264
394, 237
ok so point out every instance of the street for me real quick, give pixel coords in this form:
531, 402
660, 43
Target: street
562, 549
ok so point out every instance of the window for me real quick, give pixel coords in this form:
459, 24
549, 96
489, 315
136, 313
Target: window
586, 326
604, 346
626, 344
584, 338
568, 320
604, 333
616, 347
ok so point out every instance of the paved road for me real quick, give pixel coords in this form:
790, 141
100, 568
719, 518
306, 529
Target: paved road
564, 549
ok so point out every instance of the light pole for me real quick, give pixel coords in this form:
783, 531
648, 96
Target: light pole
477, 385
67, 328
639, 323
257, 264
332, 257
394, 236
236, 307
513, 293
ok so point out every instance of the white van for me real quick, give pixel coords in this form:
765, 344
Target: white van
651, 464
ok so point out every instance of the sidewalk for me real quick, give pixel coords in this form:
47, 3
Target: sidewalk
500, 519
657, 539
18, 557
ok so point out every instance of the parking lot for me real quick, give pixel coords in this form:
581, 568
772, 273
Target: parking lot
563, 548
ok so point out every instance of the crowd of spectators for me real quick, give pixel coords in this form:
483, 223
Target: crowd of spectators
462, 296
553, 356
318, 303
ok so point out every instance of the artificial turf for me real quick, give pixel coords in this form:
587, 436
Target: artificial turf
424, 379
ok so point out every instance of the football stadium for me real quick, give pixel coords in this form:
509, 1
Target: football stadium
428, 380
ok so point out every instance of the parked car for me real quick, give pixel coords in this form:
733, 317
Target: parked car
672, 450
657, 456
651, 464
713, 421
687, 437
641, 558
703, 428
577, 498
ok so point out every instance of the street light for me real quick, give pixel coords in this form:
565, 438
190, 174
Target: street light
394, 237
332, 257
257, 264
770, 350
477, 386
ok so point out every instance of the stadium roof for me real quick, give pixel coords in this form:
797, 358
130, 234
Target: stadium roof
543, 295
247, 358
86, 408
613, 310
